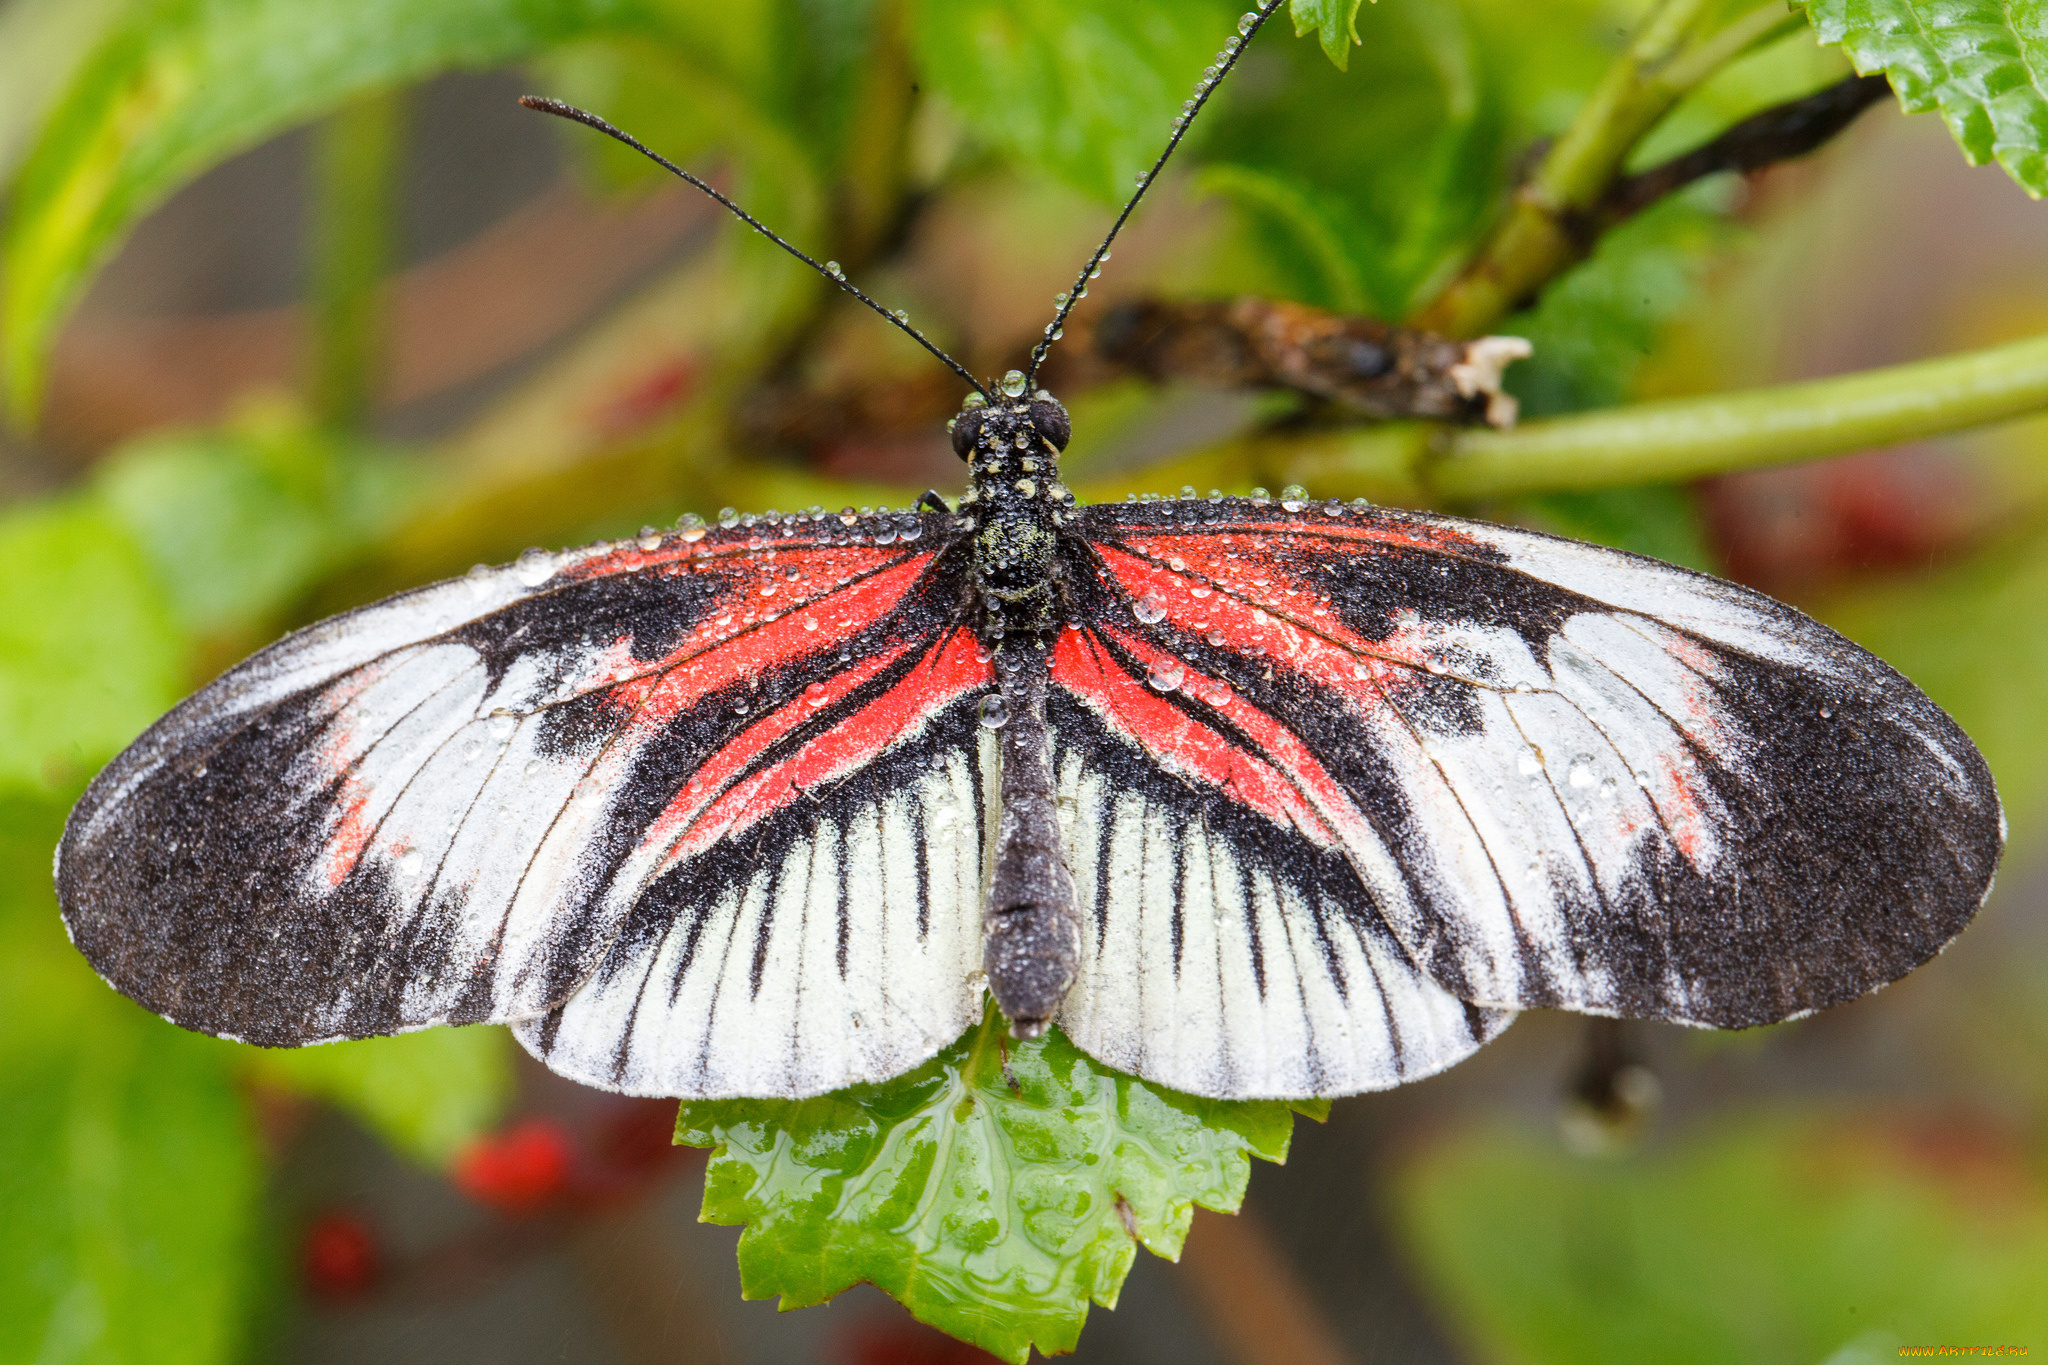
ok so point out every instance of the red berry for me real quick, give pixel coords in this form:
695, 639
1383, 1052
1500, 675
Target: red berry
338, 1256
521, 1170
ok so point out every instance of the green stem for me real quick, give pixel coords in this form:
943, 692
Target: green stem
1547, 227
356, 154
1673, 439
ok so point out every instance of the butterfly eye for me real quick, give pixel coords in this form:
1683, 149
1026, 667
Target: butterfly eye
966, 428
1050, 418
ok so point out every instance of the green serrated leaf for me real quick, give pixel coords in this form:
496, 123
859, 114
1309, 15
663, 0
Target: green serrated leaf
177, 86
89, 650
1979, 62
1776, 1240
1084, 89
1335, 24
996, 1191
128, 1174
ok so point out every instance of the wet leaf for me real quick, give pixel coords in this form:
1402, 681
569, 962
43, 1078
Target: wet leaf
1334, 24
996, 1191
1976, 61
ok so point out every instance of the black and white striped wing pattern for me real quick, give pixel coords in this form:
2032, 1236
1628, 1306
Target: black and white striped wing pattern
1554, 775
447, 808
1226, 954
819, 924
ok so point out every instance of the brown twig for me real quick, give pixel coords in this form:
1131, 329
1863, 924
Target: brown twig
1354, 362
1257, 1306
1783, 132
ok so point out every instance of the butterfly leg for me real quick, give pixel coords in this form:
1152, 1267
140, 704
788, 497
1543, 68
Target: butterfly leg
932, 501
1031, 931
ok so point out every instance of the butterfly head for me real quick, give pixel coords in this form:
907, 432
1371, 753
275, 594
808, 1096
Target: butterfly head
1012, 428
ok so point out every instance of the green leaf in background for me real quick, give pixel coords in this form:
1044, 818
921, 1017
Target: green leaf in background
177, 86
1973, 636
1977, 61
1594, 329
1333, 22
89, 649
1402, 159
1084, 89
1660, 520
995, 1191
1774, 1241
429, 1094
41, 44
128, 1174
239, 520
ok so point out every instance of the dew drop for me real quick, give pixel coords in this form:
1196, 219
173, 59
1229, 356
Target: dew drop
1216, 693
648, 539
1246, 24
728, 517
1199, 591
1214, 637
1293, 497
833, 269
815, 694
535, 567
1013, 384
1580, 774
1151, 609
995, 712
1165, 675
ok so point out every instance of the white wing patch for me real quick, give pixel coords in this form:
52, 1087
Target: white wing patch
847, 950
1235, 967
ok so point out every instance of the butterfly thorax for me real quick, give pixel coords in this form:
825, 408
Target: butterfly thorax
1015, 505
1014, 510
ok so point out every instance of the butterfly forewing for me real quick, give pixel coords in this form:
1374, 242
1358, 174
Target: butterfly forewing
812, 917
441, 808
1560, 775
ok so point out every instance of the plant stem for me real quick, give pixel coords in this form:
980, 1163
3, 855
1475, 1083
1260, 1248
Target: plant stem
355, 155
1548, 226
1673, 439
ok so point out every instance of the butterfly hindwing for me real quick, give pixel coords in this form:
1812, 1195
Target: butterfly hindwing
429, 811
1561, 775
1225, 953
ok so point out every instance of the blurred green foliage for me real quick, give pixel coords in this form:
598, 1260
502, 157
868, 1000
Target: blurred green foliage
1363, 170
1771, 1241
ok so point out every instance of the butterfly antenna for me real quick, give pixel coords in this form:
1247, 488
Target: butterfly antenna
1247, 26
829, 270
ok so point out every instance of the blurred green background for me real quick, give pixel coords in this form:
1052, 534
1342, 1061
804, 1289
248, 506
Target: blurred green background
298, 308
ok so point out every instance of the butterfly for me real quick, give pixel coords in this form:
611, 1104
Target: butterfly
1254, 797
